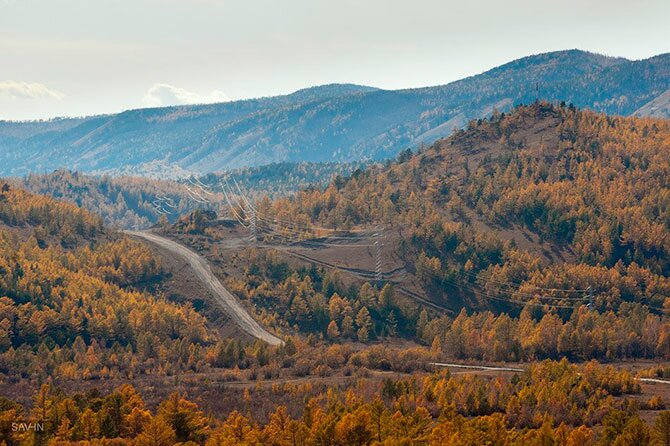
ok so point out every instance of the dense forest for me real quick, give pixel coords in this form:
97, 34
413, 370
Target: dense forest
71, 302
540, 236
77, 301
553, 403
318, 303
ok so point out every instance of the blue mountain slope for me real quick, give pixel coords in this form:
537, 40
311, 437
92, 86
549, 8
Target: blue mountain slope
338, 122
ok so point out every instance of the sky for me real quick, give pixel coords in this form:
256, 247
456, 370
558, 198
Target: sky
83, 57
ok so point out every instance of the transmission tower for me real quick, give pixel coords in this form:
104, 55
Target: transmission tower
591, 306
378, 255
253, 224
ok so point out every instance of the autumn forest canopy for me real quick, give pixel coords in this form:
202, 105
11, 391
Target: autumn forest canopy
538, 238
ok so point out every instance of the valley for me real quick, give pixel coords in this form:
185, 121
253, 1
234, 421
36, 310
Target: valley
300, 223
507, 283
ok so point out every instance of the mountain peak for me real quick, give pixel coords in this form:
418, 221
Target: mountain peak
574, 60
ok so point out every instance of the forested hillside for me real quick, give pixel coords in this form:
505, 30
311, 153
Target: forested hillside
328, 123
125, 202
546, 228
593, 187
73, 300
137, 203
541, 233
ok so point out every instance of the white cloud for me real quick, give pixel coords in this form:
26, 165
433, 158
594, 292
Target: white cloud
166, 94
27, 90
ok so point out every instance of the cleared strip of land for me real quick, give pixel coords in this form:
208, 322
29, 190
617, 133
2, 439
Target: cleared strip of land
223, 297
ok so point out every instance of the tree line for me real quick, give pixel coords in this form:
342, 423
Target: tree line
552, 403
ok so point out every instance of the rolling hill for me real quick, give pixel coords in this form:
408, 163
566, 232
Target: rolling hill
543, 197
326, 123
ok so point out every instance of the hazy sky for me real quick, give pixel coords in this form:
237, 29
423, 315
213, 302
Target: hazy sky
77, 57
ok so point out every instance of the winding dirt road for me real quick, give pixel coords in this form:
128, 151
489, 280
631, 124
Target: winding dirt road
223, 297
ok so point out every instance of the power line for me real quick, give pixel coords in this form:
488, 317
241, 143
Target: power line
252, 217
197, 183
531, 296
295, 236
281, 232
239, 219
275, 220
525, 303
590, 304
195, 196
567, 290
297, 241
486, 294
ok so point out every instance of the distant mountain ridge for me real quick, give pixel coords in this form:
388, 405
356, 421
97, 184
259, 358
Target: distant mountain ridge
337, 122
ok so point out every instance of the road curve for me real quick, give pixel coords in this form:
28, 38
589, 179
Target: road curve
223, 297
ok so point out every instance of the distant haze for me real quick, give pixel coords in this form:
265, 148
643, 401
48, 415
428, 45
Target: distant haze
82, 57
